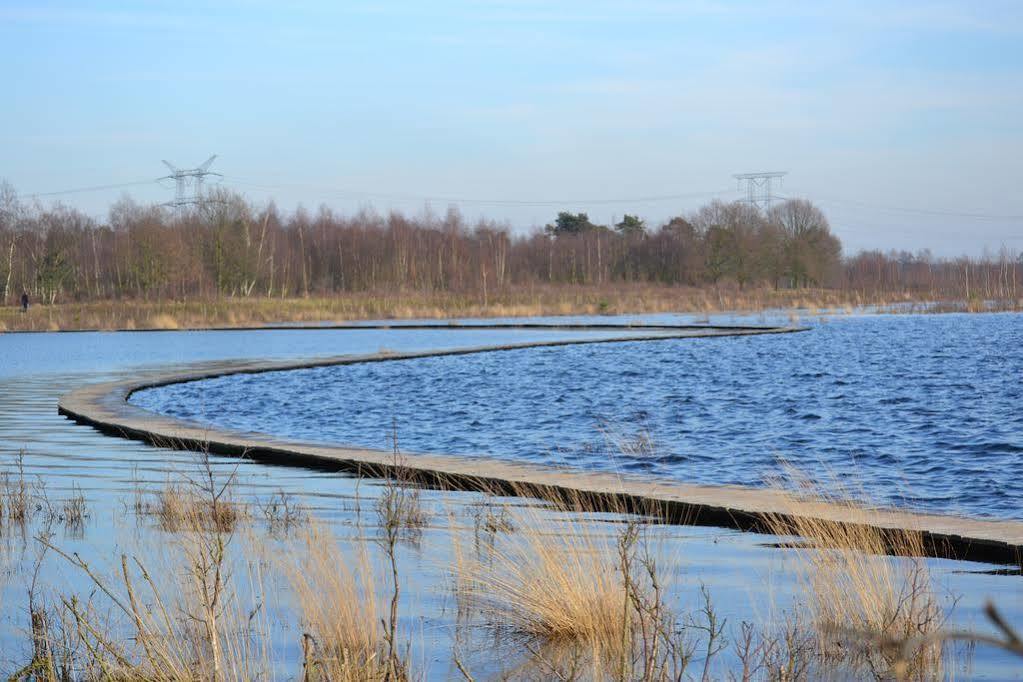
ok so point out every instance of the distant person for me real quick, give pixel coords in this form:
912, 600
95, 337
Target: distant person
24, 302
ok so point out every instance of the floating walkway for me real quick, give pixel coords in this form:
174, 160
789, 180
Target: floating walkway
105, 406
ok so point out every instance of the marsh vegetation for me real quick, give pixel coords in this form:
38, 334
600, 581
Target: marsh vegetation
241, 571
558, 589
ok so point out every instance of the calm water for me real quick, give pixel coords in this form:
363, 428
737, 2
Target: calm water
921, 410
60, 459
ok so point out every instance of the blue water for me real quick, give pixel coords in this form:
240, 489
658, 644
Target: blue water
922, 411
61, 457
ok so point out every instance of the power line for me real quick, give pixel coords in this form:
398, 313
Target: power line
184, 176
351, 193
95, 188
474, 200
912, 210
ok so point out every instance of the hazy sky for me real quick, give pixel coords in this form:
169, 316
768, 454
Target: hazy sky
892, 115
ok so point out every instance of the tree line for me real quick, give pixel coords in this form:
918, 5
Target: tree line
229, 247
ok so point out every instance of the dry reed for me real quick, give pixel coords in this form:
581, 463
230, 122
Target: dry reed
178, 507
583, 599
181, 614
512, 301
22, 502
584, 593
342, 608
858, 577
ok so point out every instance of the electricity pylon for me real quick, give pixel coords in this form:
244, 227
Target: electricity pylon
185, 177
758, 187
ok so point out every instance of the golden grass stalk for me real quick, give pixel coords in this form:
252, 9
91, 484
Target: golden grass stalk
509, 301
176, 613
554, 583
184, 508
579, 595
176, 618
862, 582
16, 496
341, 607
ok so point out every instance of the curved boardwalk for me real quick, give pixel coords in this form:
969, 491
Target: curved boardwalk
105, 407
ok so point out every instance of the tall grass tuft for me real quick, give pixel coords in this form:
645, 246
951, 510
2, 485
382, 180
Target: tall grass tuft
341, 608
179, 507
580, 597
177, 613
861, 580
556, 583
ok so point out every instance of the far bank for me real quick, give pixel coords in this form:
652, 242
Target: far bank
509, 302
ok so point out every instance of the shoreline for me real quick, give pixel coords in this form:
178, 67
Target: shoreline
553, 301
104, 406
446, 326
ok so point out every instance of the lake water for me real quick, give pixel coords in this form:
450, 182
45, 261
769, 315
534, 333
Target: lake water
916, 410
747, 576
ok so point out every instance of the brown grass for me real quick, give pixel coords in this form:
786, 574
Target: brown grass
341, 606
582, 599
862, 581
592, 603
583, 593
585, 602
560, 582
179, 613
22, 502
179, 507
16, 503
521, 301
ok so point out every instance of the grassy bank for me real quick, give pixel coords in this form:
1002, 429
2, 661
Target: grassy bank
398, 305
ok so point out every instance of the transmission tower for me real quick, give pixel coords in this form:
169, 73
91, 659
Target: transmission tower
185, 178
758, 187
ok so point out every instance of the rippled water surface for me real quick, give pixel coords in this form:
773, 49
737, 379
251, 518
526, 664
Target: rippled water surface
747, 574
917, 410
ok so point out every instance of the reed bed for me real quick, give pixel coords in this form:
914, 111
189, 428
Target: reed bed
184, 606
179, 612
862, 583
556, 583
23, 501
523, 301
588, 590
342, 606
572, 588
177, 507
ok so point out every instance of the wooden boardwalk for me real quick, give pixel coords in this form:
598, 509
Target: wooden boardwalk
105, 407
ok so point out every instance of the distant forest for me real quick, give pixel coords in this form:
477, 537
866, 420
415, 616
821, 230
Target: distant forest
232, 248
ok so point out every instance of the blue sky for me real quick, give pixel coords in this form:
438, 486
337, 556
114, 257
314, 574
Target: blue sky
893, 116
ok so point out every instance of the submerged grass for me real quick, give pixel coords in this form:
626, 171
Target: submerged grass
177, 614
193, 608
579, 588
592, 603
862, 580
556, 583
22, 501
582, 600
588, 596
342, 608
177, 507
